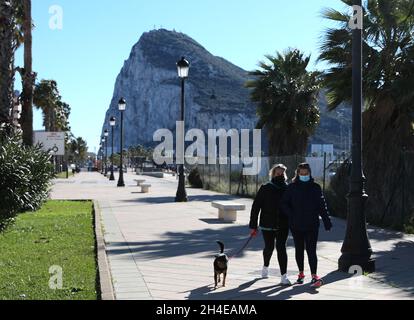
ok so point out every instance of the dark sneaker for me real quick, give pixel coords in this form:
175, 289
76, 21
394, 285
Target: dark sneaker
301, 278
316, 282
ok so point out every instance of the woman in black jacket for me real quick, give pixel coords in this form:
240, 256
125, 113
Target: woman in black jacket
303, 203
273, 223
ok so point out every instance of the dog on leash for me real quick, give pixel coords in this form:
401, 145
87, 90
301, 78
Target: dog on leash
220, 265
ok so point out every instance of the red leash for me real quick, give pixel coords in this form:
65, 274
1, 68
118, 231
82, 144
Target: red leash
242, 248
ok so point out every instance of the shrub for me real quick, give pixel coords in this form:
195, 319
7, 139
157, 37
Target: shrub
25, 175
194, 178
336, 193
409, 225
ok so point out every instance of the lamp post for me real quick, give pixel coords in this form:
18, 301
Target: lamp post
122, 107
356, 249
102, 159
98, 158
183, 67
106, 134
112, 122
103, 154
76, 159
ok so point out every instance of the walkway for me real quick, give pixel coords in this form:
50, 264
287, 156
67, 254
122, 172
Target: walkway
159, 249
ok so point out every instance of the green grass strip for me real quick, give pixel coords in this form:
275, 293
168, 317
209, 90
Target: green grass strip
60, 234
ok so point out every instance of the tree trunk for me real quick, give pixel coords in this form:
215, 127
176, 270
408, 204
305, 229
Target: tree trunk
286, 142
28, 77
6, 59
48, 123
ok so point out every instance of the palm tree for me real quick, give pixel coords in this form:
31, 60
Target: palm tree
389, 99
78, 149
55, 111
28, 77
286, 94
7, 49
63, 112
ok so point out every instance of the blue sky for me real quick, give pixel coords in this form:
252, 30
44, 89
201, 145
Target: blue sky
86, 55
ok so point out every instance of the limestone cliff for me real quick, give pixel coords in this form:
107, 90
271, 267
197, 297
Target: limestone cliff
215, 93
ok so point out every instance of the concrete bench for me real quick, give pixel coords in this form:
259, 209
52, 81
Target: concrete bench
228, 210
139, 181
145, 187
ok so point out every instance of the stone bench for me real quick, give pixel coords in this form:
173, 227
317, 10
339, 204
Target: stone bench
139, 181
228, 210
145, 187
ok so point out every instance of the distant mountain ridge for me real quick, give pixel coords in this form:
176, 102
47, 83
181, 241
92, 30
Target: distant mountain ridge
335, 126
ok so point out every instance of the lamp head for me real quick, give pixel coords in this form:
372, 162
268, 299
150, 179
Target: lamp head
183, 68
122, 104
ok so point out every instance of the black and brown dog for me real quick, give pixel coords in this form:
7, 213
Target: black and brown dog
220, 265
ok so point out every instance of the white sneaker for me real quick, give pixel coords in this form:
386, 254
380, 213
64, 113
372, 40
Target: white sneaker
285, 280
265, 272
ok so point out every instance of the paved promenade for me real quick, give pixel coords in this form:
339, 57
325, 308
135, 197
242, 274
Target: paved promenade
159, 249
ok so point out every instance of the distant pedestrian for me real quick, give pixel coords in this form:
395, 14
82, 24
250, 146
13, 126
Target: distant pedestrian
303, 203
273, 223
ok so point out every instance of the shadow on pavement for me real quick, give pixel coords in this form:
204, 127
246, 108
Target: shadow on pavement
151, 200
173, 244
201, 198
274, 292
396, 266
214, 221
393, 267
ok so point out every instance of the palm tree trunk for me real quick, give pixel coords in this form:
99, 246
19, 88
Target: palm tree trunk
53, 121
28, 77
48, 117
287, 142
6, 59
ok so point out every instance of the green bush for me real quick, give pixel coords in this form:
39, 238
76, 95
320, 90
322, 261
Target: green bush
337, 190
194, 179
25, 175
409, 225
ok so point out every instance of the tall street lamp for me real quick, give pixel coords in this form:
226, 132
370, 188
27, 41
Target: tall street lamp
122, 107
183, 67
98, 157
106, 134
112, 122
356, 249
103, 154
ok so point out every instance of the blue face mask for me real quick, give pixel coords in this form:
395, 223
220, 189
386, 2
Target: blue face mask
304, 178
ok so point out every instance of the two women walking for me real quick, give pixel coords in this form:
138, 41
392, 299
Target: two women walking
297, 207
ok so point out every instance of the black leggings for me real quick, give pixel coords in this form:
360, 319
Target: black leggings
308, 240
280, 237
